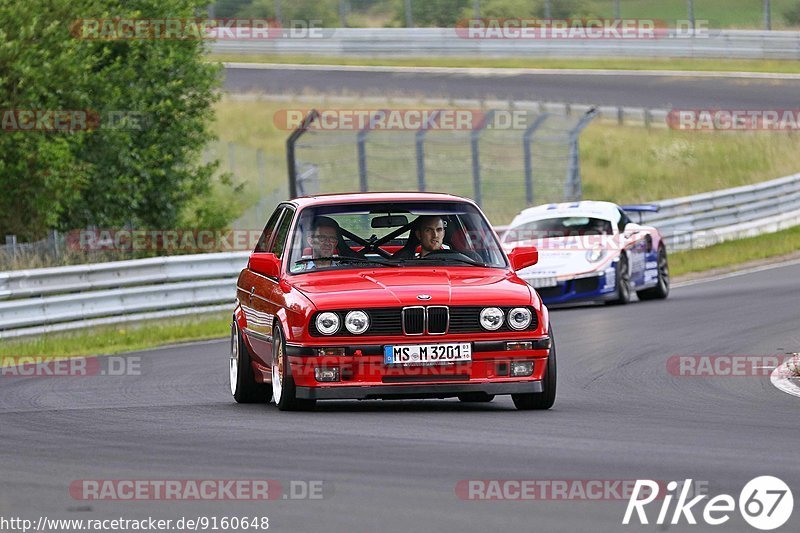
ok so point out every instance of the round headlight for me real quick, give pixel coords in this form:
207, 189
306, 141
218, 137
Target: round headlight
519, 318
356, 322
328, 323
492, 318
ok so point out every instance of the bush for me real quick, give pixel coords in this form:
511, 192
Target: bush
140, 176
792, 15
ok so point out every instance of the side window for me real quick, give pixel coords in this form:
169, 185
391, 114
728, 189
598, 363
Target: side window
623, 220
279, 245
269, 230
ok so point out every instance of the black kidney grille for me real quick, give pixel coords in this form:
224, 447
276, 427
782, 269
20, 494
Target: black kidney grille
438, 317
413, 320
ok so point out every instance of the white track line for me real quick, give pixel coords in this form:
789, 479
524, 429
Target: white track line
746, 271
782, 379
499, 72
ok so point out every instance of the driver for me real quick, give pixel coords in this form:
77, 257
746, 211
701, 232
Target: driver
430, 233
323, 239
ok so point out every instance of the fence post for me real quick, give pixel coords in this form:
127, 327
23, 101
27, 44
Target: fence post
11, 243
474, 138
54, 242
573, 186
291, 164
362, 150
526, 149
419, 139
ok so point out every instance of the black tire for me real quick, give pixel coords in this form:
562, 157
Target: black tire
623, 281
244, 387
661, 290
546, 398
286, 399
476, 397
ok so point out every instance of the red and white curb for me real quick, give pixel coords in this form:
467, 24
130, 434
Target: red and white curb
785, 378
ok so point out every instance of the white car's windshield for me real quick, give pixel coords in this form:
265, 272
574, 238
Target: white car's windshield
574, 226
392, 235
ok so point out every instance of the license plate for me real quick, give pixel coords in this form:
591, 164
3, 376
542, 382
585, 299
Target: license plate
422, 354
541, 283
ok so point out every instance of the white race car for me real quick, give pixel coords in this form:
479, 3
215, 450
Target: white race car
591, 251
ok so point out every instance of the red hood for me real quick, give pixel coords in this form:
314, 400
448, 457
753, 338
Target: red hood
401, 286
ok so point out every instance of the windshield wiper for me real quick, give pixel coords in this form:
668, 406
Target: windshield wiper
347, 259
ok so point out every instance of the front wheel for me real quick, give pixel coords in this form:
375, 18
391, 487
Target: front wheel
623, 280
661, 290
284, 391
546, 398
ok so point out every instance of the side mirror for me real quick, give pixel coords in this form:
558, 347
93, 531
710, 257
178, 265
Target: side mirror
523, 256
266, 264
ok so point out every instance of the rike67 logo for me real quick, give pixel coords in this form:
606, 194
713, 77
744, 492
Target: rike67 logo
765, 503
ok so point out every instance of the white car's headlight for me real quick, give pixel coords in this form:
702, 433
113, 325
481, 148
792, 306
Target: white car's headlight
492, 318
594, 255
327, 323
356, 322
519, 318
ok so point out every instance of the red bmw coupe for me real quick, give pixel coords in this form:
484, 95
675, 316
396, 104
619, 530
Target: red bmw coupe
388, 296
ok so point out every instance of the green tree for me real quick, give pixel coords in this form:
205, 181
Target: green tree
142, 175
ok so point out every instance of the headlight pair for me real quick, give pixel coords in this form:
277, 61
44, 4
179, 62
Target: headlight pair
492, 318
356, 322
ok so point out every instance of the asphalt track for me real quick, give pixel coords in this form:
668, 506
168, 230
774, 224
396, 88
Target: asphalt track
654, 91
393, 466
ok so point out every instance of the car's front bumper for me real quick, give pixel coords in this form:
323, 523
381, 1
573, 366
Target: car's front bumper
363, 374
599, 287
437, 390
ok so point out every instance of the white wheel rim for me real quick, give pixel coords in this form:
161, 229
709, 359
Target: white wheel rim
234, 364
277, 385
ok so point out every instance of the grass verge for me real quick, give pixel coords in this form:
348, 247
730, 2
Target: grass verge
716, 65
120, 338
731, 253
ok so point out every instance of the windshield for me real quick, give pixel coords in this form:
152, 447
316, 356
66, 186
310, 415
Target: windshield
392, 235
558, 227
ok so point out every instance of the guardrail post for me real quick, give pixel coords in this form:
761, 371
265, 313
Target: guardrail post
526, 150
474, 138
572, 188
361, 141
419, 140
290, 143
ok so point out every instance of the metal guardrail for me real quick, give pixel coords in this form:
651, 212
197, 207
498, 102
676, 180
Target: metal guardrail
704, 219
733, 44
57, 299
